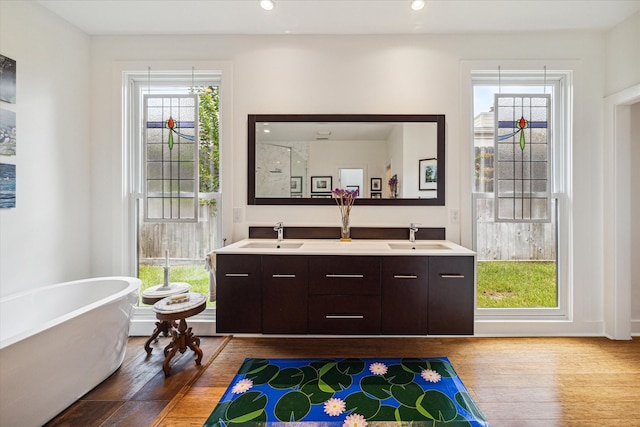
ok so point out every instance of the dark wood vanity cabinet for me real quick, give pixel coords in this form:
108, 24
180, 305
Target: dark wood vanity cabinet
345, 295
404, 295
451, 295
239, 293
285, 293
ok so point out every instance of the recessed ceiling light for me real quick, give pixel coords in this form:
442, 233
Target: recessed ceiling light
417, 4
267, 4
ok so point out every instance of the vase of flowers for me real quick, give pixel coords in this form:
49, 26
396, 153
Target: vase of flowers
345, 199
393, 186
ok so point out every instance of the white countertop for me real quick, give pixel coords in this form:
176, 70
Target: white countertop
336, 247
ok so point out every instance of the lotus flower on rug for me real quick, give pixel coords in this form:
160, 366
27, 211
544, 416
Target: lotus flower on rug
347, 392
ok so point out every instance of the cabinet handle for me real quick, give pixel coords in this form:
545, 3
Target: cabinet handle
452, 276
237, 275
344, 316
405, 276
289, 276
344, 276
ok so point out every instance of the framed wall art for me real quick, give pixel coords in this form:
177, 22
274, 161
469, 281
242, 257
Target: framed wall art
376, 184
296, 184
7, 185
7, 132
321, 184
428, 170
7, 79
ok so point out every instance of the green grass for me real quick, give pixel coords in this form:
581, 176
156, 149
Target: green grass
516, 284
501, 284
195, 275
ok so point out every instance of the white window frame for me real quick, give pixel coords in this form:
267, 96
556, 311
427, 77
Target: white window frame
561, 188
134, 80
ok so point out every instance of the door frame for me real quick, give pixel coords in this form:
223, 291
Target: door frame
617, 213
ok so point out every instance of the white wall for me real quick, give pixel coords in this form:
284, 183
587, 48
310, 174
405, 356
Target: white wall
635, 213
366, 155
623, 56
69, 216
46, 238
620, 202
418, 144
375, 74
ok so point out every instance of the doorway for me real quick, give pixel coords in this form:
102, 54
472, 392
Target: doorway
620, 203
352, 179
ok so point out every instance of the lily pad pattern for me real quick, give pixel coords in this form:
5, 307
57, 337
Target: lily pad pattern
347, 392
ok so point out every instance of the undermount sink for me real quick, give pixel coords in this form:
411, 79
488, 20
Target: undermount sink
272, 245
418, 246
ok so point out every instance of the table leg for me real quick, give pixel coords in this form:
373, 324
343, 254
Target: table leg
163, 328
182, 338
194, 344
169, 352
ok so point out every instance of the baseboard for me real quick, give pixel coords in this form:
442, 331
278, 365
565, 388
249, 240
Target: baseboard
204, 325
201, 326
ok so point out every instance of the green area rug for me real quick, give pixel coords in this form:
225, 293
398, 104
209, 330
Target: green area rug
347, 392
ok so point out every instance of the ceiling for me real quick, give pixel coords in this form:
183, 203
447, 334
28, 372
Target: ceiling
318, 131
153, 17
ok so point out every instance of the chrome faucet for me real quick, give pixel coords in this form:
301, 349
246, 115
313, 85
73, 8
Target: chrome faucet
279, 228
413, 229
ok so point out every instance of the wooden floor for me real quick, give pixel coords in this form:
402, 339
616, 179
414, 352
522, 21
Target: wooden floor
516, 382
138, 391
545, 382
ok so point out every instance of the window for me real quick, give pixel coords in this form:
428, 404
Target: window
522, 255
174, 169
170, 151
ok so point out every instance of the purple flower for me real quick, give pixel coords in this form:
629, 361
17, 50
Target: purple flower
344, 199
345, 194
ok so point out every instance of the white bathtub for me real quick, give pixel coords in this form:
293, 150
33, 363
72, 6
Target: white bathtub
58, 342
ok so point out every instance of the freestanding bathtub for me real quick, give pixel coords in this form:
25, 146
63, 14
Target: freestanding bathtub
58, 342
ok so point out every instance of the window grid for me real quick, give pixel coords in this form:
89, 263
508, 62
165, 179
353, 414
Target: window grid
522, 164
171, 158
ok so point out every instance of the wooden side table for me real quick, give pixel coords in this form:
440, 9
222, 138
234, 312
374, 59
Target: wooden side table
182, 338
154, 294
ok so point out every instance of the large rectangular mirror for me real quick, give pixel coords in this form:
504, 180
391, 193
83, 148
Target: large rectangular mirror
297, 159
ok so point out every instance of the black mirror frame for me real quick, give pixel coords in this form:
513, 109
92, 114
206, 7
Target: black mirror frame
251, 153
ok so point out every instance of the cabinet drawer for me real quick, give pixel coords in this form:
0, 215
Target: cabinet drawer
285, 294
451, 295
344, 275
237, 266
344, 314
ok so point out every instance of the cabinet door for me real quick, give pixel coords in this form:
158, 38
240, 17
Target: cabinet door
285, 293
344, 275
451, 295
404, 295
238, 293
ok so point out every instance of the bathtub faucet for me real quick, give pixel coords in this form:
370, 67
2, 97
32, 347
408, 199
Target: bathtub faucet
413, 229
279, 228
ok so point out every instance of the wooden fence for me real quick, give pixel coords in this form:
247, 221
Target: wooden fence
191, 242
512, 241
186, 241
